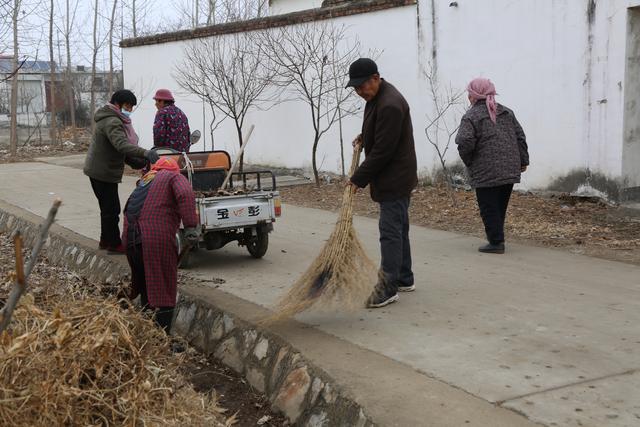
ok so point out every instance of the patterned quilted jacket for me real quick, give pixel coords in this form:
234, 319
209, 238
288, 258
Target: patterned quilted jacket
171, 129
494, 153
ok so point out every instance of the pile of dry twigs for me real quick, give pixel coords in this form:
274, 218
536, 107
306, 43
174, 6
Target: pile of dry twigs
341, 276
69, 356
87, 362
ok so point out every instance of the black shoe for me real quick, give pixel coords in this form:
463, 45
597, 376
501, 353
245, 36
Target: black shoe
492, 249
381, 297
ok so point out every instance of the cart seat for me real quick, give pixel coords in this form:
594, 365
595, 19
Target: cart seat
209, 168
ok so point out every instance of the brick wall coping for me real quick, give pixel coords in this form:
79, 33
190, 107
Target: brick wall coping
318, 14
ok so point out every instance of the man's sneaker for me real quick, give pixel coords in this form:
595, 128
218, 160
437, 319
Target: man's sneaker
492, 249
382, 297
406, 288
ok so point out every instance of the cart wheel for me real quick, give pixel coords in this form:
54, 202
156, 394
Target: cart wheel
185, 262
258, 245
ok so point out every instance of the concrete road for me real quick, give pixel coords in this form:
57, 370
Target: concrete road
552, 335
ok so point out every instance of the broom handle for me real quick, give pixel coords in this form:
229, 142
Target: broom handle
357, 149
238, 156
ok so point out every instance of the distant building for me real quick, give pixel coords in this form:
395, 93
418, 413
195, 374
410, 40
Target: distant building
34, 80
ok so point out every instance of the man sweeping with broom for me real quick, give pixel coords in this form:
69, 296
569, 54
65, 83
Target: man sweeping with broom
342, 275
390, 170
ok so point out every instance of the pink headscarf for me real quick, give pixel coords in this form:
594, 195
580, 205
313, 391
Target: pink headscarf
483, 89
132, 136
167, 164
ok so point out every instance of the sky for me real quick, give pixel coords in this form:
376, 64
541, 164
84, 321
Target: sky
152, 16
33, 27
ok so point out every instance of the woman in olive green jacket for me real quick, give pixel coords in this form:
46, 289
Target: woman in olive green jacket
114, 143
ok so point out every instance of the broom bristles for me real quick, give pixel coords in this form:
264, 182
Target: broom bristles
342, 276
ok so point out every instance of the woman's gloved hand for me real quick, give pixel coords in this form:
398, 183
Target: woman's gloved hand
192, 236
152, 156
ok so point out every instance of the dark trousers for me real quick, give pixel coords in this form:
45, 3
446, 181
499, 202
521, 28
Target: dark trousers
163, 315
109, 202
395, 248
493, 202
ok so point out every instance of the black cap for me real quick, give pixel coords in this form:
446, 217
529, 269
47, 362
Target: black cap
360, 71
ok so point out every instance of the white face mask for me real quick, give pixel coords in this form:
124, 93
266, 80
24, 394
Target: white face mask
125, 112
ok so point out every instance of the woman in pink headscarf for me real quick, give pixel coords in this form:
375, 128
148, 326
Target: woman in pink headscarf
162, 199
493, 147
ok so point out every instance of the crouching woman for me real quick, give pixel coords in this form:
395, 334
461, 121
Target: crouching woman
152, 215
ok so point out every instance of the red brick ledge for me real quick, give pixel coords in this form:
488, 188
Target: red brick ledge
354, 8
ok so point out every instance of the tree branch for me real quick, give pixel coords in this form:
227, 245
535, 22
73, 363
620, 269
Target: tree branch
20, 285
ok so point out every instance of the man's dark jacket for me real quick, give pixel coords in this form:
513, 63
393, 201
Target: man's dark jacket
390, 166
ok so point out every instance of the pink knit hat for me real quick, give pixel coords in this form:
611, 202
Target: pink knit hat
483, 89
163, 95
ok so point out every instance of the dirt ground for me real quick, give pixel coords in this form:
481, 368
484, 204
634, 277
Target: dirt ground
580, 226
63, 147
247, 407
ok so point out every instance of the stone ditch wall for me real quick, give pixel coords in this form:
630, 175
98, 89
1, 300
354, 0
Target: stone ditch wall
303, 392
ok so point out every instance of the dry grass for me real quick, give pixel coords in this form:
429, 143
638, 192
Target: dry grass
88, 362
72, 357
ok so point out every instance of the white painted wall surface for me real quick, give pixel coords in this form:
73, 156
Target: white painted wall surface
278, 7
562, 75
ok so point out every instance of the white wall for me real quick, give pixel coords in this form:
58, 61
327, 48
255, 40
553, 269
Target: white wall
278, 7
562, 74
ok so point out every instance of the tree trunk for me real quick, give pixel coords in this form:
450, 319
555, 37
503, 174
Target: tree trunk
133, 18
197, 14
314, 164
92, 105
70, 97
53, 125
111, 25
211, 17
239, 130
13, 141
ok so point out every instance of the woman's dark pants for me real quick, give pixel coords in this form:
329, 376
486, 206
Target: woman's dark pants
493, 203
109, 202
163, 315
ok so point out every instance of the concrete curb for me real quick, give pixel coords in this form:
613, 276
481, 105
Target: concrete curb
304, 393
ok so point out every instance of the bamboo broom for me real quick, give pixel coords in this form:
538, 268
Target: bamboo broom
342, 275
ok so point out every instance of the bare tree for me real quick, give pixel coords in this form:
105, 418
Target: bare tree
443, 123
133, 18
92, 103
111, 27
13, 139
53, 125
241, 10
6, 27
312, 60
139, 10
193, 13
229, 74
70, 14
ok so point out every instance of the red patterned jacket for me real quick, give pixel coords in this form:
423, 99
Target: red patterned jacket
170, 199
